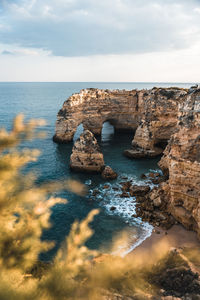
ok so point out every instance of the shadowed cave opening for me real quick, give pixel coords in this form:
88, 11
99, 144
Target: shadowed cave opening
161, 143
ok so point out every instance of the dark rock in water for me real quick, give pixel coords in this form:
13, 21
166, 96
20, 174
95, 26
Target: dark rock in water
134, 216
108, 173
106, 187
126, 186
153, 208
154, 175
143, 176
158, 180
143, 153
95, 192
86, 154
139, 190
115, 188
124, 195
112, 208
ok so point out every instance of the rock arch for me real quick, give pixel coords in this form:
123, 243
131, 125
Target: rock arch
151, 114
93, 107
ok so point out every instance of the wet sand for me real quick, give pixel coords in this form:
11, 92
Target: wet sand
177, 237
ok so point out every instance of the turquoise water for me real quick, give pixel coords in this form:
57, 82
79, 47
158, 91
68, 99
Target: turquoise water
43, 100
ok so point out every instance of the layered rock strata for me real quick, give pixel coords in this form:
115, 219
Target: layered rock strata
161, 115
159, 122
152, 112
86, 154
181, 163
178, 194
93, 107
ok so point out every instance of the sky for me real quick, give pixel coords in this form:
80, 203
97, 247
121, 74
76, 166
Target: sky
100, 40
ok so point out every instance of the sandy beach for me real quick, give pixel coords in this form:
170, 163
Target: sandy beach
177, 237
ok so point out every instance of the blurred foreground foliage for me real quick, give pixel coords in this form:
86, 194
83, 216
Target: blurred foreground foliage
76, 272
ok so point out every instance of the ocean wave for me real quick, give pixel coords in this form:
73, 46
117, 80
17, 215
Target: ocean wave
110, 199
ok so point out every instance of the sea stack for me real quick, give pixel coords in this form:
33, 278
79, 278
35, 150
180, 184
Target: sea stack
108, 173
86, 154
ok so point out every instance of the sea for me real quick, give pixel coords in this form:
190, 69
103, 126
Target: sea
117, 227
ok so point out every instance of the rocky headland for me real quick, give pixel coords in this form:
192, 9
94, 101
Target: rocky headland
163, 121
151, 113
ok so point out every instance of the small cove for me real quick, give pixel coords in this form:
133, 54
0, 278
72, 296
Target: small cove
43, 100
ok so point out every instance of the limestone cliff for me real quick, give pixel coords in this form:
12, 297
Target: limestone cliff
159, 116
152, 112
158, 122
181, 162
93, 107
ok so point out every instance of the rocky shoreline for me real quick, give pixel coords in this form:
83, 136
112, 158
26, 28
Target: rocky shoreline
164, 122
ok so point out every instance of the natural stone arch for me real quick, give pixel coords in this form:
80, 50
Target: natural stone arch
93, 107
107, 130
151, 113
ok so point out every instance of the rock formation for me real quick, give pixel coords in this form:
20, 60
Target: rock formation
179, 193
93, 107
162, 117
181, 163
108, 173
154, 111
158, 122
86, 155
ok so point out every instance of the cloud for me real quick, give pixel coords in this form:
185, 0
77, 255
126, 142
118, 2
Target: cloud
181, 65
6, 49
6, 52
106, 27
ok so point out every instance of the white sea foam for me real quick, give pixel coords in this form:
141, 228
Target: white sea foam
124, 207
88, 182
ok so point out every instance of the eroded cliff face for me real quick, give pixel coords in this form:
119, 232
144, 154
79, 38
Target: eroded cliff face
152, 112
93, 107
161, 116
181, 162
159, 122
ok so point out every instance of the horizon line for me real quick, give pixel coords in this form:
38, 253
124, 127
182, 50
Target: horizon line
186, 82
